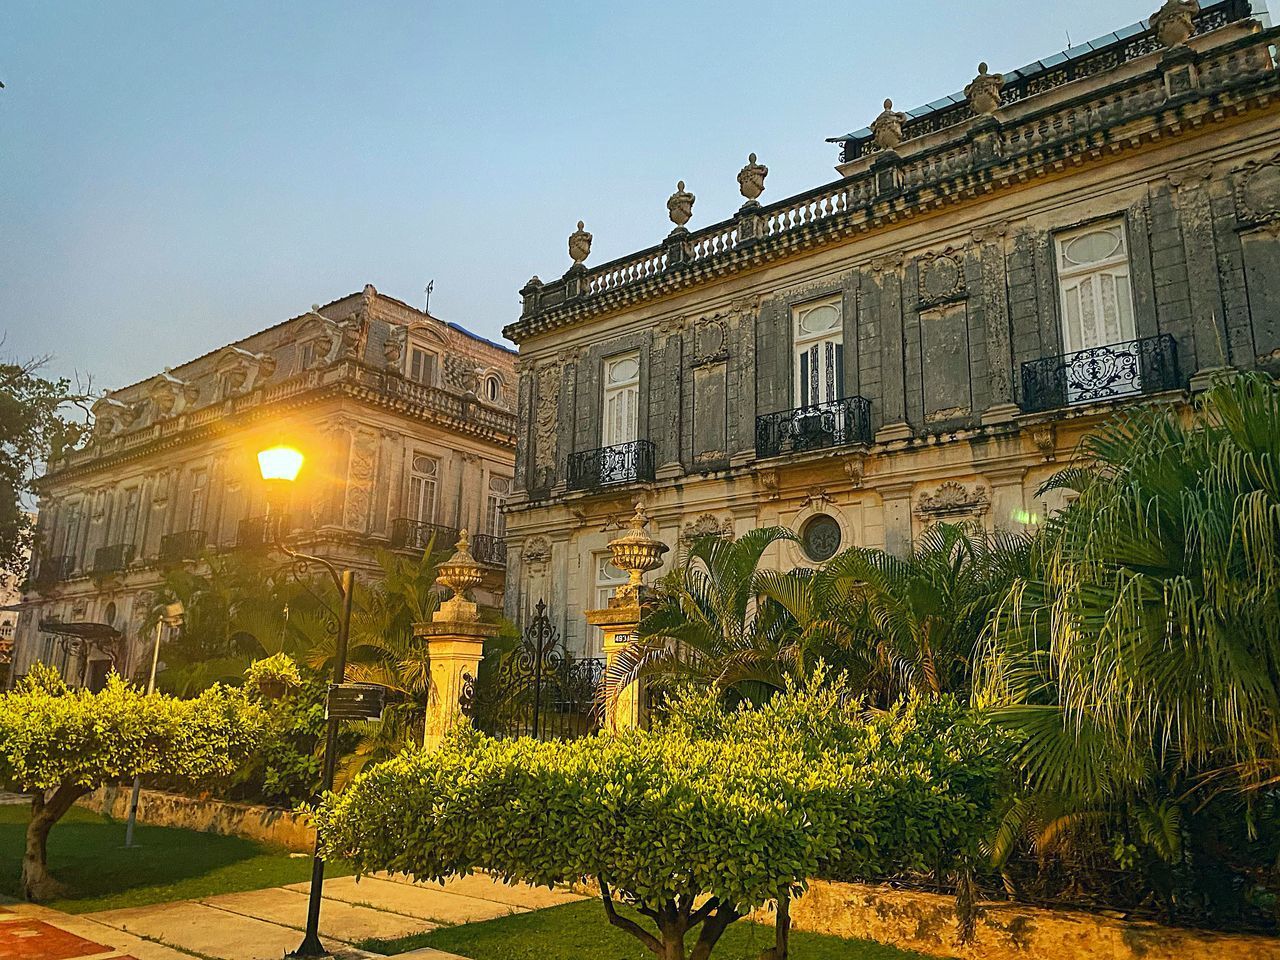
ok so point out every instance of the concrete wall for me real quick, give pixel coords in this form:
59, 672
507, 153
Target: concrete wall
280, 828
927, 923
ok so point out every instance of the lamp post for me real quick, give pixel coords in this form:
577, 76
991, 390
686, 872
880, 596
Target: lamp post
172, 617
279, 466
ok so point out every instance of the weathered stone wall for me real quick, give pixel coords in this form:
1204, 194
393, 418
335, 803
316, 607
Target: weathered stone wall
280, 828
927, 923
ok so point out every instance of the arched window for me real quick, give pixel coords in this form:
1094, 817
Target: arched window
492, 388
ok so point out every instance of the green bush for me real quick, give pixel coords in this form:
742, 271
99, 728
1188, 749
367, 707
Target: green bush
59, 745
739, 808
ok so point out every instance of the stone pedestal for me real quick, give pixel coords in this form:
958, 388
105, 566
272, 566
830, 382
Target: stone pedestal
455, 648
624, 709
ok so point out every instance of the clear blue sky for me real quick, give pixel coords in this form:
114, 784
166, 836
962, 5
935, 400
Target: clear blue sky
176, 175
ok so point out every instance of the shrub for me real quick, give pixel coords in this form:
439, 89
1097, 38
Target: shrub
695, 823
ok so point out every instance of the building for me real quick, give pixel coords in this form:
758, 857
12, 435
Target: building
407, 422
927, 337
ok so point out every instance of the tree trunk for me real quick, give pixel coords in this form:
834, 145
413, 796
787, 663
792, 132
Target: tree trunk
37, 882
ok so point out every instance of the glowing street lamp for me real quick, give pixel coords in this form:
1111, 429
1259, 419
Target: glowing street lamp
280, 465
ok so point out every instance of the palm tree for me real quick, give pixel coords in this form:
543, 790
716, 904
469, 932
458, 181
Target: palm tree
718, 621
910, 624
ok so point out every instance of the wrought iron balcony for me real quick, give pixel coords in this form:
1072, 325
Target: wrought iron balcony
624, 463
1117, 370
113, 558
257, 532
51, 570
837, 423
489, 550
416, 535
181, 546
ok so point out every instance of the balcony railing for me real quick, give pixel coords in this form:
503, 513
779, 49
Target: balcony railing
417, 535
113, 558
1126, 369
623, 463
837, 423
257, 532
488, 550
181, 546
51, 570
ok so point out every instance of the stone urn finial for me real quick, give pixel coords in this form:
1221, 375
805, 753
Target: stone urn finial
1174, 23
983, 93
751, 180
680, 207
636, 553
887, 128
579, 245
459, 573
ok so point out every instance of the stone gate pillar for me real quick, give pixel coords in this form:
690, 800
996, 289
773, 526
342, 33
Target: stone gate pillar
635, 552
455, 644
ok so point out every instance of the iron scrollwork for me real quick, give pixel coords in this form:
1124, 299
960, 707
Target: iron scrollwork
837, 423
1124, 369
606, 466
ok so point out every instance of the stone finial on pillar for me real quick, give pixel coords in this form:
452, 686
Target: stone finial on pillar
983, 93
1174, 23
459, 573
680, 207
579, 246
751, 181
886, 129
636, 553
455, 644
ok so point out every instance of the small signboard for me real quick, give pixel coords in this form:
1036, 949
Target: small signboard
356, 701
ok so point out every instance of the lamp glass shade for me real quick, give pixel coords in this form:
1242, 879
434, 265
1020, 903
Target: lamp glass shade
280, 463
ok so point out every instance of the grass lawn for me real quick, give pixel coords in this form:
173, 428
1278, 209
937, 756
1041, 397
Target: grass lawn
87, 854
579, 931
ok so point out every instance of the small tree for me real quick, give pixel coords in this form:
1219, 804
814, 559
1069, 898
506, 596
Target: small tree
59, 745
695, 824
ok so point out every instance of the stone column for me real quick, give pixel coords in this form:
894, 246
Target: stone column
624, 708
637, 553
455, 644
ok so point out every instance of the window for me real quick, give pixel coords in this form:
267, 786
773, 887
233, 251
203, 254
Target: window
621, 400
819, 352
421, 366
820, 538
69, 543
608, 578
307, 355
495, 521
492, 389
423, 477
129, 519
199, 499
1093, 279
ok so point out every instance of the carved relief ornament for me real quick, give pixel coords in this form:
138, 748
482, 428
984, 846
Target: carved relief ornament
1258, 191
536, 550
941, 278
707, 525
952, 501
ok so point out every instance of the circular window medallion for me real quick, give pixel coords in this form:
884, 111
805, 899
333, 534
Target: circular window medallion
820, 538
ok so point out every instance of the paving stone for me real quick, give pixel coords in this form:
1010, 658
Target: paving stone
338, 919
485, 887
205, 930
28, 939
413, 900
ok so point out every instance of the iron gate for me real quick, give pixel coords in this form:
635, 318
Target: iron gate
536, 690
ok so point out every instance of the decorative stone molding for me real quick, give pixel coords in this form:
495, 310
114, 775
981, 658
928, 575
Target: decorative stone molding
169, 395
888, 263
680, 207
887, 128
111, 416
393, 349
546, 422
983, 93
1173, 23
707, 525
361, 473
579, 249
941, 279
952, 501
751, 180
855, 465
817, 496
768, 483
710, 342
536, 550
1258, 191
1045, 437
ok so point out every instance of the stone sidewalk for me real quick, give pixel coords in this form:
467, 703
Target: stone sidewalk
266, 924
31, 932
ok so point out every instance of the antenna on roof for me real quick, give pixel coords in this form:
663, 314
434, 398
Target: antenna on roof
1068, 39
426, 307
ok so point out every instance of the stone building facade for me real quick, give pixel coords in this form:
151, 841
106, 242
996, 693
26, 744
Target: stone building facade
927, 337
408, 427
